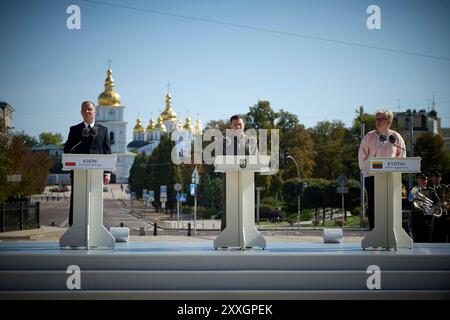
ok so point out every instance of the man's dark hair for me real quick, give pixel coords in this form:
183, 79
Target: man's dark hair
236, 117
87, 102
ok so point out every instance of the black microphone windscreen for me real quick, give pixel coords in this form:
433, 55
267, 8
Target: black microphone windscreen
383, 138
93, 132
392, 138
85, 132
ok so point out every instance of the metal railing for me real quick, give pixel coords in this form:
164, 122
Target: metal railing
19, 216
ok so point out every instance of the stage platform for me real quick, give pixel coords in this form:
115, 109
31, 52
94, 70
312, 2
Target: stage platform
194, 270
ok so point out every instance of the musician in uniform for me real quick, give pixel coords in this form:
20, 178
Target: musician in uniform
440, 223
421, 220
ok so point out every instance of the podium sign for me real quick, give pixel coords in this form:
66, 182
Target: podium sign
404, 165
388, 232
89, 161
87, 229
242, 163
240, 200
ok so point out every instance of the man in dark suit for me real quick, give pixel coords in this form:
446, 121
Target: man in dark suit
237, 143
87, 137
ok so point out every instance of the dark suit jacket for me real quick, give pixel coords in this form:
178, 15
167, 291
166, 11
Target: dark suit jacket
89, 145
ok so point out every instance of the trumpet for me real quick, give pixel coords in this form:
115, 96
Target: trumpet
425, 204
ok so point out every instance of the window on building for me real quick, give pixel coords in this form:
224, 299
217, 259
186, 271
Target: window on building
111, 138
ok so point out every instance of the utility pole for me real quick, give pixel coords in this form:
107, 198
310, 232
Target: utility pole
361, 175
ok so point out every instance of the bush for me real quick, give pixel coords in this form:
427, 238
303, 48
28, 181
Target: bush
271, 201
306, 215
356, 211
203, 212
339, 222
292, 218
270, 213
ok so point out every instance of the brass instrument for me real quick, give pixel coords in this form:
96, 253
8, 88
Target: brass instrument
425, 204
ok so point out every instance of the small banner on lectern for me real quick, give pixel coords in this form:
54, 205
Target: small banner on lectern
405, 165
88, 161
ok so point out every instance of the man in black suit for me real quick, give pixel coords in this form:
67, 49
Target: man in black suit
87, 137
236, 144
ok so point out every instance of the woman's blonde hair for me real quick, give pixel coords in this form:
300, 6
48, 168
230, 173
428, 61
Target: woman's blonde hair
387, 113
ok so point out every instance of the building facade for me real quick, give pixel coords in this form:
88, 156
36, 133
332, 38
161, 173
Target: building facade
422, 122
6, 119
146, 140
110, 113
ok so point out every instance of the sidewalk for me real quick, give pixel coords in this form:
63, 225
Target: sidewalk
43, 234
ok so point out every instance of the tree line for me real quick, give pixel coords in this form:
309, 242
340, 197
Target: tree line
16, 158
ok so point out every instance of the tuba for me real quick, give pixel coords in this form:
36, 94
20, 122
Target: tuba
425, 204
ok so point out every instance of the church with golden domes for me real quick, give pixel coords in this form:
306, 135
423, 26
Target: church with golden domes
110, 114
146, 140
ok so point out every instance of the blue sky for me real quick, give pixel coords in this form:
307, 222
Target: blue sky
216, 70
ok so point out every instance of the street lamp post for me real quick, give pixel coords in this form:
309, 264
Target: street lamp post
195, 181
298, 191
258, 190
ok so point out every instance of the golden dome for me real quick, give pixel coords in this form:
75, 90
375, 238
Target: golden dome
151, 125
109, 97
168, 114
160, 126
138, 127
180, 124
198, 126
187, 125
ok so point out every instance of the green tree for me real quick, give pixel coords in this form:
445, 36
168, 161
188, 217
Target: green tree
430, 147
286, 121
329, 141
162, 171
211, 192
137, 175
367, 119
6, 162
300, 144
29, 140
261, 116
50, 138
16, 158
222, 125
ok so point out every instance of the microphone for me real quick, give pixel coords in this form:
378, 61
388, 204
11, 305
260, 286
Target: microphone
392, 140
71, 149
93, 131
85, 134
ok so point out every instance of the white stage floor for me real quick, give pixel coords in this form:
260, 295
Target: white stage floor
194, 270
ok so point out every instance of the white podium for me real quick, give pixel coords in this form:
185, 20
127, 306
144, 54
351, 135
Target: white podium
240, 231
388, 232
87, 229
